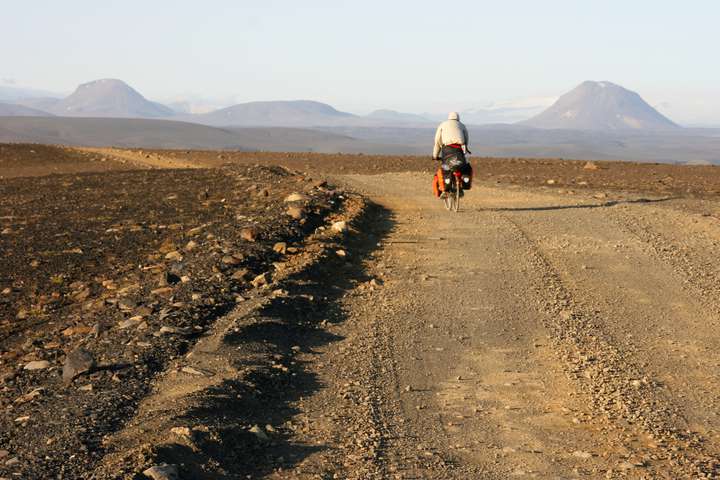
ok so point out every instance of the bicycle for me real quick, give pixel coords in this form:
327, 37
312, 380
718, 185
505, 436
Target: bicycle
454, 179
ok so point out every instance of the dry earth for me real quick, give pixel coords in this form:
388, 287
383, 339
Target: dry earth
547, 330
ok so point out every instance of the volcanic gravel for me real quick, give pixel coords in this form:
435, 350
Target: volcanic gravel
114, 275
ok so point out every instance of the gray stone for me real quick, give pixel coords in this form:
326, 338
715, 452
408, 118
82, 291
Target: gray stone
162, 472
259, 433
77, 362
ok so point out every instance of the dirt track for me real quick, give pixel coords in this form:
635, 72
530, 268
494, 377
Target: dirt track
532, 335
538, 333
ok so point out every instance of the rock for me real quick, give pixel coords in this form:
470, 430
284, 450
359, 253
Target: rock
162, 292
165, 330
6, 291
259, 433
230, 260
551, 182
97, 329
181, 432
242, 274
591, 166
126, 305
171, 278
195, 231
162, 472
263, 193
77, 330
341, 253
174, 256
194, 371
249, 234
82, 295
581, 454
340, 227
130, 322
296, 197
297, 213
77, 362
12, 462
260, 280
29, 397
191, 245
22, 314
3, 454
280, 247
37, 365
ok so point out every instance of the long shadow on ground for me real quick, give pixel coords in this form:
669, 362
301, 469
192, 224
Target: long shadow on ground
266, 344
575, 206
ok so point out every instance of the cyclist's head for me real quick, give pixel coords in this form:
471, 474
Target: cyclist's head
454, 116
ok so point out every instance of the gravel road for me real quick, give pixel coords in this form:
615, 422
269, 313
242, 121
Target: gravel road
532, 335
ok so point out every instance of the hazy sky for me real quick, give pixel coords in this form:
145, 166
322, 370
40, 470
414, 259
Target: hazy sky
360, 55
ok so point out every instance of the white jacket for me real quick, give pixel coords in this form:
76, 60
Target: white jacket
451, 131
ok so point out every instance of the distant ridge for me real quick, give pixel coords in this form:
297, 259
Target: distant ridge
109, 98
294, 113
397, 117
601, 106
13, 110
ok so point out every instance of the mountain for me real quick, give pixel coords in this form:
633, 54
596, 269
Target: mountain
13, 94
297, 113
601, 106
12, 110
394, 117
44, 104
109, 98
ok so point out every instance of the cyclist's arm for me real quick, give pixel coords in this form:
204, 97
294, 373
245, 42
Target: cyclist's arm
438, 144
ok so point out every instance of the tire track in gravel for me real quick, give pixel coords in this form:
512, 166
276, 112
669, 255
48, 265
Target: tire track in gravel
619, 390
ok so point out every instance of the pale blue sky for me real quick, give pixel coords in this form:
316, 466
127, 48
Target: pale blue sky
360, 55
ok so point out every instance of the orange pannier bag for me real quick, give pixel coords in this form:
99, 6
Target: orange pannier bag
437, 183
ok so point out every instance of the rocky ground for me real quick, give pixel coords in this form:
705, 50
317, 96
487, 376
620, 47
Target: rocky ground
198, 323
106, 278
17, 160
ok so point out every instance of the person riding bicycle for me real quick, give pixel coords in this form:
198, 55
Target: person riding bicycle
451, 140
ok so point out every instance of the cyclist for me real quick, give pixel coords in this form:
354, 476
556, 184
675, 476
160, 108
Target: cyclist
451, 140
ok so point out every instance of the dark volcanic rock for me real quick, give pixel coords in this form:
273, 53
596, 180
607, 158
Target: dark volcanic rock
77, 362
